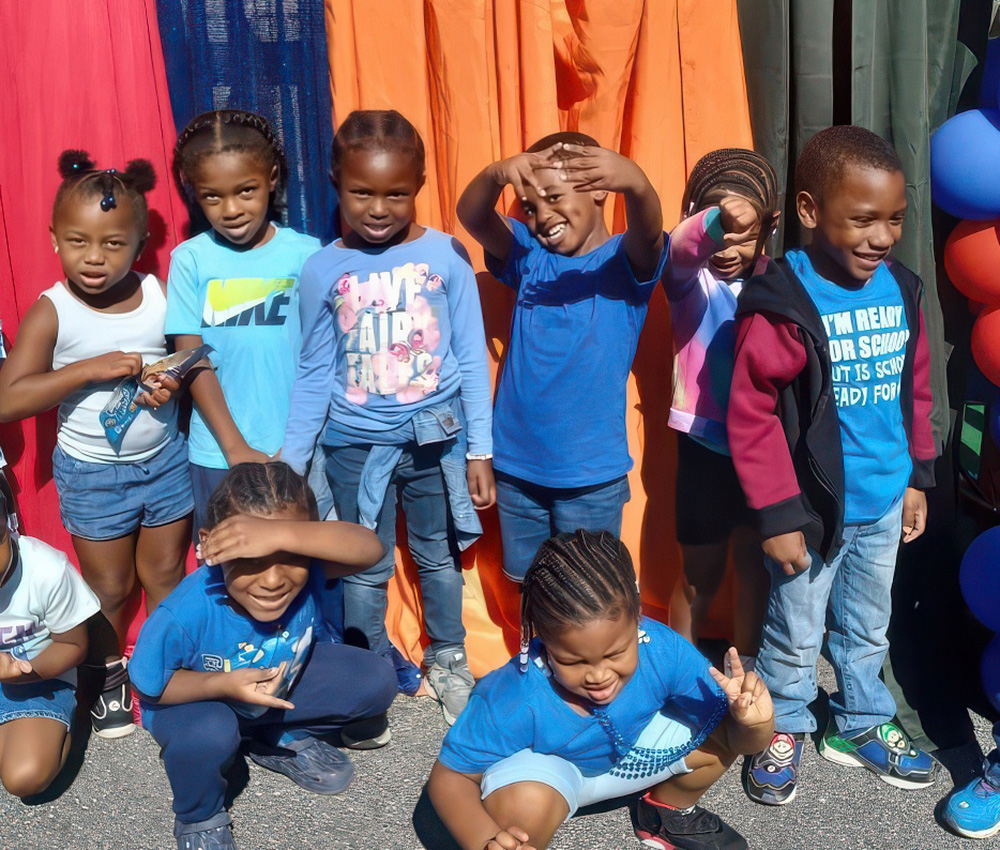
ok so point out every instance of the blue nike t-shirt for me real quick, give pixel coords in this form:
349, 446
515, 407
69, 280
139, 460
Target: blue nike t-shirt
245, 304
197, 628
868, 334
510, 711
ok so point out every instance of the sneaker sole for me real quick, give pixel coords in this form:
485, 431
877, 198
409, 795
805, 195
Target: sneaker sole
449, 718
784, 802
647, 839
847, 760
974, 833
115, 731
367, 743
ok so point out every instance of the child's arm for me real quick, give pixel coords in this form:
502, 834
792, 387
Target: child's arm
922, 447
749, 726
66, 651
344, 547
769, 355
590, 169
252, 685
29, 385
458, 801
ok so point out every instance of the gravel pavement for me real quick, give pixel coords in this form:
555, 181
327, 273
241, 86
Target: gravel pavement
119, 798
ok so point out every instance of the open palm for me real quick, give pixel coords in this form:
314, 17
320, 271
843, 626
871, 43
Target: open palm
749, 699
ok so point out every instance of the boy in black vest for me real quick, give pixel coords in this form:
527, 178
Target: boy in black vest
830, 434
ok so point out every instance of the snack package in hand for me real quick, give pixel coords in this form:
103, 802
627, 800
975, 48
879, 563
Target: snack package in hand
121, 408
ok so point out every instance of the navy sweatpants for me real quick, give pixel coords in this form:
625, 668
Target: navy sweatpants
338, 687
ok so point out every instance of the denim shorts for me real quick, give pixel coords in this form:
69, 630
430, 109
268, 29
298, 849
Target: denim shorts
102, 501
52, 698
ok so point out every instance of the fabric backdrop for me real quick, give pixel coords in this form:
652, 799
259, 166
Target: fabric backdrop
661, 81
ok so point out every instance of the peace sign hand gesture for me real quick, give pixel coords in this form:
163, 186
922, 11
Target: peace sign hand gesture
749, 699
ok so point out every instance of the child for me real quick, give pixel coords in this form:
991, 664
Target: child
582, 296
235, 287
127, 504
232, 653
44, 606
603, 704
830, 433
393, 373
729, 209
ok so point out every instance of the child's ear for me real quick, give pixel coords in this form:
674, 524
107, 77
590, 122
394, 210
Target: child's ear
142, 246
599, 197
52, 236
808, 209
273, 181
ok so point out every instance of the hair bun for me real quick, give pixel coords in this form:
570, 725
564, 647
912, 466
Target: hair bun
140, 175
72, 162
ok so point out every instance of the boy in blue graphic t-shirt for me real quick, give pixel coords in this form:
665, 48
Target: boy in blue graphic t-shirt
560, 445
830, 432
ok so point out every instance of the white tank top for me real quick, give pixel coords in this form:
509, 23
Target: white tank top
85, 333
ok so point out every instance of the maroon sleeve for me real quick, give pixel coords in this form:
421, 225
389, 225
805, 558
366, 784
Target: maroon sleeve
769, 356
922, 447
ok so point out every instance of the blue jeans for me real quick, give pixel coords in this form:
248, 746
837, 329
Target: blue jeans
851, 595
530, 514
430, 534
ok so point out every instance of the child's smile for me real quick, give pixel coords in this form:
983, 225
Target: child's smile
563, 220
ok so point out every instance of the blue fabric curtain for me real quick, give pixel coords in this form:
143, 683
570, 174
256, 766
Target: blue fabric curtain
267, 56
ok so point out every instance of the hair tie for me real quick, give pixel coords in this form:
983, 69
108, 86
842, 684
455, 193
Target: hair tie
108, 202
523, 657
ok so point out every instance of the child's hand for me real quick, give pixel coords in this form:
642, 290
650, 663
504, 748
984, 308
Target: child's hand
790, 551
512, 838
114, 364
161, 390
239, 537
11, 668
245, 454
590, 169
914, 514
740, 220
482, 485
256, 686
519, 171
749, 699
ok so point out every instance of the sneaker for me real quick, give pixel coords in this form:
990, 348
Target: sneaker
111, 714
885, 751
696, 828
366, 743
407, 673
450, 682
974, 810
770, 776
311, 764
213, 834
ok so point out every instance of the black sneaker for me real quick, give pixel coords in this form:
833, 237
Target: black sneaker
111, 714
673, 829
311, 764
770, 776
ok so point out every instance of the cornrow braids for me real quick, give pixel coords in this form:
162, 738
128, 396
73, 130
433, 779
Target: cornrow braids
260, 489
576, 578
376, 130
225, 131
81, 178
739, 171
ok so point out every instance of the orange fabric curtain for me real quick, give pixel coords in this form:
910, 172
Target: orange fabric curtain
661, 81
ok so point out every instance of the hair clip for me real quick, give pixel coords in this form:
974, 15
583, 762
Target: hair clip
108, 202
522, 659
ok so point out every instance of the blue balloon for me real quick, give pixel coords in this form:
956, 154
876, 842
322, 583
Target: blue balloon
989, 669
979, 577
965, 165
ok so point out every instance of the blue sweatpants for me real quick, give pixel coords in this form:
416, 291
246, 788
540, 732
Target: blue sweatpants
339, 688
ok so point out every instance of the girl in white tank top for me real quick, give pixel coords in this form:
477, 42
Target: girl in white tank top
126, 504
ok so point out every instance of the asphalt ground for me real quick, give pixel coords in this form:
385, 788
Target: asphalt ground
114, 794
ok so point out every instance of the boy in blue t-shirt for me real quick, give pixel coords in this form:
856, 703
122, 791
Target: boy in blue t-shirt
559, 439
233, 654
829, 425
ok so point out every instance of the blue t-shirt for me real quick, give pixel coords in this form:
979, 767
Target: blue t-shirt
245, 304
196, 628
386, 334
868, 334
560, 413
510, 711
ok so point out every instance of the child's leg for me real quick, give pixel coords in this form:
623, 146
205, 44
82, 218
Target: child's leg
108, 566
525, 512
160, 555
204, 480
536, 808
704, 568
707, 764
594, 510
752, 585
32, 752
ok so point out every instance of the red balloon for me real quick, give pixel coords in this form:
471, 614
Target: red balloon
972, 260
986, 343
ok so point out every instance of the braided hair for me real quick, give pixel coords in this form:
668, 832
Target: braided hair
82, 179
260, 489
827, 155
229, 131
376, 130
576, 578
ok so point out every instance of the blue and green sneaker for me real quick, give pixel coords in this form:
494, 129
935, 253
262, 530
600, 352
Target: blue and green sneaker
769, 776
973, 811
886, 751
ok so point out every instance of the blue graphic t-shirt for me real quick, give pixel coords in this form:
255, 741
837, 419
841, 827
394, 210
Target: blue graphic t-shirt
510, 711
245, 304
868, 334
197, 628
559, 419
